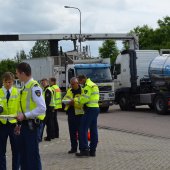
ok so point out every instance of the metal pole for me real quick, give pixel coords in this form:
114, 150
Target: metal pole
80, 22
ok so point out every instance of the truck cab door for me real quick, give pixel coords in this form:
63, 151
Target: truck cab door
116, 76
122, 75
70, 74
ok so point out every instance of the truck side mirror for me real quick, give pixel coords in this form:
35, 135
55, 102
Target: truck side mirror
115, 75
112, 69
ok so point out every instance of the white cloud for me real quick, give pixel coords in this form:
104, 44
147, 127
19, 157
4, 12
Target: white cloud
98, 16
10, 49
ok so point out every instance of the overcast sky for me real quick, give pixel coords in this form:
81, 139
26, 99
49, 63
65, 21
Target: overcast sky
98, 16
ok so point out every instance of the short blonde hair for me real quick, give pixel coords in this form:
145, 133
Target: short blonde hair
8, 76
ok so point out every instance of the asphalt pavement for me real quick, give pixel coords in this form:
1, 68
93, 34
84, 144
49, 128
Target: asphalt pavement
116, 151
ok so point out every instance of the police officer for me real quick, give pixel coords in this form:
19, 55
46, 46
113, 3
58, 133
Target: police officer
49, 100
74, 113
9, 96
90, 100
58, 104
32, 111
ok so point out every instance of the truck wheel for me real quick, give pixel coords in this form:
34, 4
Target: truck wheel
104, 109
123, 102
160, 105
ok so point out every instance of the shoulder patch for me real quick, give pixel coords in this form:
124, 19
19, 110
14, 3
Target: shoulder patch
38, 93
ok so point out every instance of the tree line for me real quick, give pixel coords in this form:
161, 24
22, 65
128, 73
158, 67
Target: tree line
149, 38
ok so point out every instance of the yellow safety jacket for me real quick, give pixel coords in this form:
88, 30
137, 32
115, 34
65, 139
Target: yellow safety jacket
10, 108
57, 96
90, 96
52, 102
27, 103
77, 107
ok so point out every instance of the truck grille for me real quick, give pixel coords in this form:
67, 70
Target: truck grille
105, 88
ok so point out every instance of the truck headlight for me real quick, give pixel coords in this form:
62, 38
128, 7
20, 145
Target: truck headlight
111, 94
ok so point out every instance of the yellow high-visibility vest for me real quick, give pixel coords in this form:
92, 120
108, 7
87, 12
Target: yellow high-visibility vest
77, 107
12, 107
26, 99
52, 101
57, 96
90, 96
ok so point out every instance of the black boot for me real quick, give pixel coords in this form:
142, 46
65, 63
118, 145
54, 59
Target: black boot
72, 151
47, 139
92, 153
84, 153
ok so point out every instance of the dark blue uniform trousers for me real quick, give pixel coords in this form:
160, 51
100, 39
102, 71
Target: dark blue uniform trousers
56, 125
5, 131
29, 148
74, 126
41, 131
89, 121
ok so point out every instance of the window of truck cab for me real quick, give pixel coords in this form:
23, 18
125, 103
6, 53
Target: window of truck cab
98, 74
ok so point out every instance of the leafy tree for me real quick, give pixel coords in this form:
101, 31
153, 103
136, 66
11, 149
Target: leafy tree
40, 49
145, 35
109, 50
154, 39
21, 56
7, 65
163, 32
165, 22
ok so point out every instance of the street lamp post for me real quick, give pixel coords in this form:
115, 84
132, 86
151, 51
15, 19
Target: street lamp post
80, 22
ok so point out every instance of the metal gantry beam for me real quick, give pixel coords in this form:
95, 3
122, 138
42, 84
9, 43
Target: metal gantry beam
35, 37
133, 39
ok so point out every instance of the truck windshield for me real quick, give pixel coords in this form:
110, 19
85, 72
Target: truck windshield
97, 75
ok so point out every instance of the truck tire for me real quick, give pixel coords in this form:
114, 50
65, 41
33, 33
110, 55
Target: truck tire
123, 102
104, 109
160, 105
